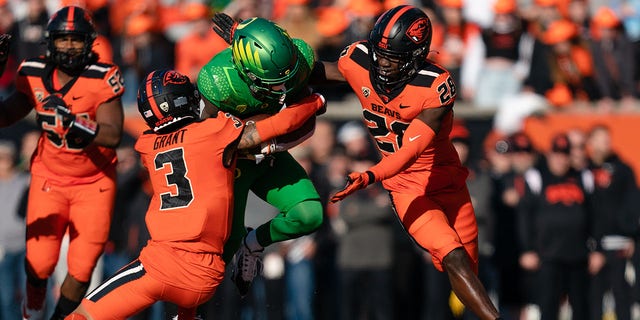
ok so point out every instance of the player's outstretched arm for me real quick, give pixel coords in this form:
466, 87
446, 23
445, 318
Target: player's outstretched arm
416, 139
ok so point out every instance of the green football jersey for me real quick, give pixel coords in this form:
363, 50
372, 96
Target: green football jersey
220, 83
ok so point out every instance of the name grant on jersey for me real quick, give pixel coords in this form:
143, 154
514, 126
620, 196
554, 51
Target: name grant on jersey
169, 139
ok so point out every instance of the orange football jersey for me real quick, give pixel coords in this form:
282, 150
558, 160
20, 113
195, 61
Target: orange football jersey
60, 160
388, 115
192, 203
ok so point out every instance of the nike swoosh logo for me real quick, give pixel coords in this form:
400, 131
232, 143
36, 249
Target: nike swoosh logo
104, 189
403, 107
76, 98
411, 139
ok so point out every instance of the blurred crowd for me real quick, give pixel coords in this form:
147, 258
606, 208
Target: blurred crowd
577, 55
512, 57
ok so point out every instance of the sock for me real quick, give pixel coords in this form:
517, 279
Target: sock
64, 308
36, 293
251, 241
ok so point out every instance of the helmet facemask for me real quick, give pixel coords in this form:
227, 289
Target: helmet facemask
403, 68
72, 60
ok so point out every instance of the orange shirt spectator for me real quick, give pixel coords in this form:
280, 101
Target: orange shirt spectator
200, 45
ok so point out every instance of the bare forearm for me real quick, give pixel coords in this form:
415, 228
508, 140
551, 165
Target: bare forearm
108, 135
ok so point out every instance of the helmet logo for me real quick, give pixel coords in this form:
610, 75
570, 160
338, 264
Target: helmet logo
418, 30
243, 54
173, 78
164, 106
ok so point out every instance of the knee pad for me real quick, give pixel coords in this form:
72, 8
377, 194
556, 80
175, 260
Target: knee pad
82, 259
308, 214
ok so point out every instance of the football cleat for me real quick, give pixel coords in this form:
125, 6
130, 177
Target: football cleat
246, 267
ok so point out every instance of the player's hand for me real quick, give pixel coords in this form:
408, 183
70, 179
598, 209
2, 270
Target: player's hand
224, 26
5, 44
355, 182
55, 103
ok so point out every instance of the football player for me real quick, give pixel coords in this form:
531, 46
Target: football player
191, 165
407, 104
262, 72
78, 108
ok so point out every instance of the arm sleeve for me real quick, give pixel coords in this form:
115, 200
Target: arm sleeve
290, 118
408, 153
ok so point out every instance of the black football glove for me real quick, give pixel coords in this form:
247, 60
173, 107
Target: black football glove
5, 44
81, 131
224, 25
55, 103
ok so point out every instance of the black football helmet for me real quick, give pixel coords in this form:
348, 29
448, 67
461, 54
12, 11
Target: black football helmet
167, 100
75, 21
403, 35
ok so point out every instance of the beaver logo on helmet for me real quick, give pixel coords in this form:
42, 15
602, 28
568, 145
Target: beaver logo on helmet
174, 78
418, 30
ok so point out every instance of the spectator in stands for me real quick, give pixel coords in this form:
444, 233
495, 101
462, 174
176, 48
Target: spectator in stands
200, 44
509, 158
449, 45
365, 252
13, 186
491, 75
145, 49
571, 69
554, 226
614, 63
31, 30
577, 139
300, 22
614, 184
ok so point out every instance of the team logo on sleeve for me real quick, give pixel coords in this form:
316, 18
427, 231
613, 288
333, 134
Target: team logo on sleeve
366, 92
418, 30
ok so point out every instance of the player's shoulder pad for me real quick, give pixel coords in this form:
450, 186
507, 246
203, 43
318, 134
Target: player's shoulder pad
210, 83
33, 67
99, 70
430, 74
306, 51
358, 52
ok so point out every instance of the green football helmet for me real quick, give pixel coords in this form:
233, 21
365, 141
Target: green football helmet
265, 57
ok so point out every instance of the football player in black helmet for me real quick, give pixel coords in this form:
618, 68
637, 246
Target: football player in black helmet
78, 108
407, 102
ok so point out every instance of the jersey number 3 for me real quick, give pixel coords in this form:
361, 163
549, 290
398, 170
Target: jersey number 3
176, 177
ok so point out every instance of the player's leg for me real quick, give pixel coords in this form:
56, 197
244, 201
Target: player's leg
47, 217
124, 294
287, 187
283, 183
426, 222
90, 218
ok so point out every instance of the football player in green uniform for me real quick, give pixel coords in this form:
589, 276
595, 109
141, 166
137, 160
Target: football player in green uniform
262, 72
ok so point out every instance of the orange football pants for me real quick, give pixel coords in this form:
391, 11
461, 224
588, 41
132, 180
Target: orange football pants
440, 223
85, 210
135, 287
